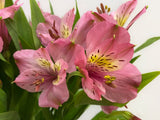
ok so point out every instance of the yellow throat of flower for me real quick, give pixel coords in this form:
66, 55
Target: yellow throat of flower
65, 31
105, 62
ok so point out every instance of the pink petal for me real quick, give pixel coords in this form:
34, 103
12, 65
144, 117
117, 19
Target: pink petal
62, 72
27, 59
1, 44
137, 16
124, 11
54, 96
108, 109
126, 83
92, 88
67, 23
27, 78
9, 11
84, 24
43, 29
66, 50
105, 30
119, 54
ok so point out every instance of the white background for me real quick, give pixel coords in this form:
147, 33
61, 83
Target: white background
147, 104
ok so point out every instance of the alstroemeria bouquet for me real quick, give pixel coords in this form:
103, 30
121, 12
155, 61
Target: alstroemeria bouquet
53, 68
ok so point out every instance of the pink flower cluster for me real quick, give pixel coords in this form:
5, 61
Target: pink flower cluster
98, 46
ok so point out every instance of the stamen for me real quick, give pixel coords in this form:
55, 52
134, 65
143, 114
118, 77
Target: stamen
109, 80
43, 62
54, 27
51, 34
102, 8
99, 11
106, 7
109, 9
37, 84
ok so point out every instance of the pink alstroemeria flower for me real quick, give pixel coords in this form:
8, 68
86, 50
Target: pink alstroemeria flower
39, 73
106, 66
121, 15
123, 12
55, 27
69, 48
5, 13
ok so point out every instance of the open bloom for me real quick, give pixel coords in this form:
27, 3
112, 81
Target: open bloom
69, 48
122, 14
39, 73
106, 66
55, 27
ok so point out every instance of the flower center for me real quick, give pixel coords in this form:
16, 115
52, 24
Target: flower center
65, 31
104, 62
37, 83
53, 32
43, 62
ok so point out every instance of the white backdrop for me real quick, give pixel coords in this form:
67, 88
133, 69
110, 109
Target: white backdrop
147, 104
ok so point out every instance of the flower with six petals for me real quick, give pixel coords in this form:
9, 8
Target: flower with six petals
39, 73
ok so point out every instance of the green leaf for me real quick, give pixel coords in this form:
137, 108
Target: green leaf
7, 69
8, 3
115, 115
147, 43
81, 98
2, 58
27, 109
51, 7
147, 78
3, 101
24, 30
75, 73
37, 17
135, 58
74, 112
12, 115
74, 81
77, 16
11, 26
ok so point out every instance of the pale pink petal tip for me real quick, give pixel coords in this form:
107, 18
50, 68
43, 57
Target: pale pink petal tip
137, 16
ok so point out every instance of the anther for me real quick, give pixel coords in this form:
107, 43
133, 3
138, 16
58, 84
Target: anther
109, 9
99, 11
102, 8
